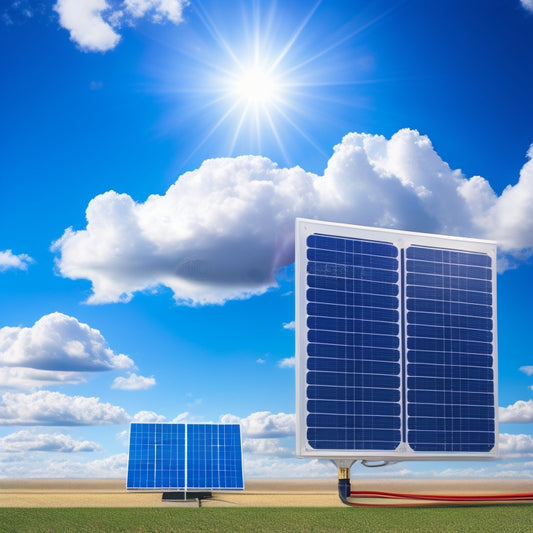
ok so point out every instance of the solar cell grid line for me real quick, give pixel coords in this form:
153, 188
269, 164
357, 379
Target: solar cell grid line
396, 344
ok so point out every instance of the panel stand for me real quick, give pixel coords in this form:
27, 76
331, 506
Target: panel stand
186, 496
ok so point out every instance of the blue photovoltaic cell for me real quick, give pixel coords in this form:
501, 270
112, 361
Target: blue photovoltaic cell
353, 350
450, 381
214, 456
156, 456
185, 456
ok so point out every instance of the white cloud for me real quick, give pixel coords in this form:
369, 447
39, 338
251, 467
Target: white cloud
515, 445
520, 411
133, 382
288, 362
200, 239
153, 417
161, 10
266, 447
515, 471
28, 378
45, 408
148, 417
26, 441
510, 218
37, 465
9, 260
528, 370
290, 325
527, 4
263, 424
223, 231
182, 418
267, 466
111, 467
84, 20
59, 342
464, 472
93, 24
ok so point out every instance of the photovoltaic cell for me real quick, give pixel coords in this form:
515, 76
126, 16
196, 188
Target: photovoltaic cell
353, 344
449, 349
396, 348
185, 457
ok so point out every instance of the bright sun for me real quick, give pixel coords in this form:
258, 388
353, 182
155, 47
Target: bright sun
256, 94
258, 83
257, 86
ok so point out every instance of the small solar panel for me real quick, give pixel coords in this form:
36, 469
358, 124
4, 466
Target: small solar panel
396, 348
185, 457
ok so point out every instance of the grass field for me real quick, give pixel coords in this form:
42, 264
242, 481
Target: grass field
499, 518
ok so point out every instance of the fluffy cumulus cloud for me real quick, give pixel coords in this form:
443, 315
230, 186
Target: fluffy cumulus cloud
133, 382
149, 417
266, 447
520, 411
223, 230
515, 445
33, 465
86, 25
9, 260
58, 342
93, 24
264, 424
45, 408
20, 378
27, 441
111, 467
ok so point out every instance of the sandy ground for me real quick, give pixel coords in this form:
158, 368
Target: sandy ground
258, 493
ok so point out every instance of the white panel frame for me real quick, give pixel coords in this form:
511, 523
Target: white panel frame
401, 239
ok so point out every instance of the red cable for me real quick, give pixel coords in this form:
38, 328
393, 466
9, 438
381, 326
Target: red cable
432, 499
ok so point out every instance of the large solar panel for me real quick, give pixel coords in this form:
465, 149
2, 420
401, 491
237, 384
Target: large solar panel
396, 348
185, 457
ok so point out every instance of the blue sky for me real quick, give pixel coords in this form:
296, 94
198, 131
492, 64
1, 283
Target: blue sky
154, 156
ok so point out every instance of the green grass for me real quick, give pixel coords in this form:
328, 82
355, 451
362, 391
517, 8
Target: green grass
499, 518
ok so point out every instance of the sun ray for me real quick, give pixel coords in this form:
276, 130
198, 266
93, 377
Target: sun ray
211, 132
297, 34
237, 131
276, 135
215, 33
302, 133
265, 80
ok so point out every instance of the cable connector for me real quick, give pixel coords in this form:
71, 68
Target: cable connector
345, 487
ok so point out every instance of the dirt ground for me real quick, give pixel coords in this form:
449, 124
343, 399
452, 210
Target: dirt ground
258, 493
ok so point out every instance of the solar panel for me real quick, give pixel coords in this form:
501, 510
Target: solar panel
396, 348
185, 457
